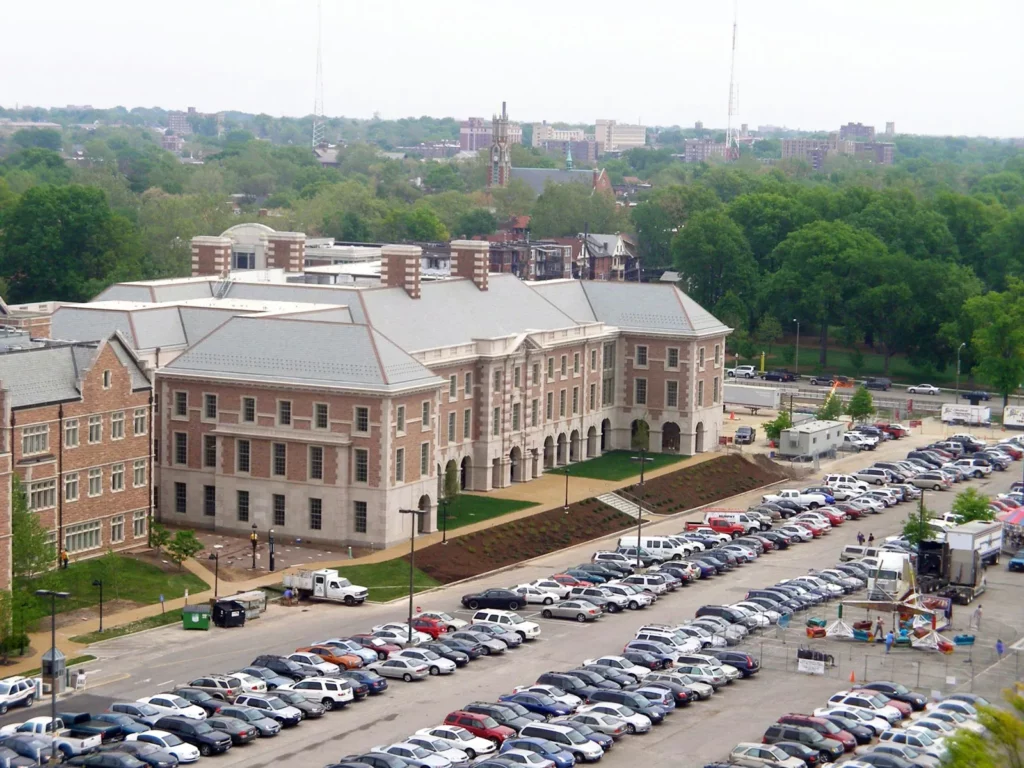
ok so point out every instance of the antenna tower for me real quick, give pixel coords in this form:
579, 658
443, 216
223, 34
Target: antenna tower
319, 122
732, 149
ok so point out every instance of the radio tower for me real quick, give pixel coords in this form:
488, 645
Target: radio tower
319, 122
732, 148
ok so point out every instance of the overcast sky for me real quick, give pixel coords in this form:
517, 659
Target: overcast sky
932, 66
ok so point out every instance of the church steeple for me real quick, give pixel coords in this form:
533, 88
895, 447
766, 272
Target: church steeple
499, 169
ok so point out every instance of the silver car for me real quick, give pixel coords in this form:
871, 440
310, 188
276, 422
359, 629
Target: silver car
490, 644
404, 669
609, 725
704, 674
578, 610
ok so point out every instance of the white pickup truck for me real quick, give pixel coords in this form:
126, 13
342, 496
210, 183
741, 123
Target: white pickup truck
67, 744
326, 584
742, 372
806, 500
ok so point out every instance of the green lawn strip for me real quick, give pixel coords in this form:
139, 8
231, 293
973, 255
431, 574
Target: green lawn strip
70, 663
619, 465
466, 509
387, 580
150, 622
124, 578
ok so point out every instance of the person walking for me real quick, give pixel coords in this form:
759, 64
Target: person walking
879, 628
860, 538
890, 638
976, 619
1000, 649
871, 539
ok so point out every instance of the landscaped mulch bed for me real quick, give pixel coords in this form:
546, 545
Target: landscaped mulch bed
707, 482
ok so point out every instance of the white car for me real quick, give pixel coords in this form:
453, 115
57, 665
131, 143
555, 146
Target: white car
918, 738
536, 595
437, 665
327, 669
398, 634
621, 664
170, 704
570, 700
550, 585
956, 720
876, 725
459, 738
507, 621
634, 599
185, 753
433, 744
330, 693
755, 614
924, 389
450, 622
409, 751
251, 683
866, 701
759, 610
527, 758
706, 639
754, 755
635, 722
405, 669
875, 505
798, 531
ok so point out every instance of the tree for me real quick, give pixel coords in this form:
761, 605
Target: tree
665, 211
184, 545
159, 537
640, 438
972, 505
567, 209
831, 409
31, 551
999, 745
769, 330
916, 528
766, 219
713, 257
43, 138
861, 405
998, 340
452, 487
478, 221
773, 429
514, 200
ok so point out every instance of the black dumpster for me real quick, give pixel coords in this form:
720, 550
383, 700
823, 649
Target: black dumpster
228, 613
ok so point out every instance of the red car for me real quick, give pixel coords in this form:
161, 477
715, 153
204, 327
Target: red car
816, 532
484, 726
570, 581
1000, 505
822, 726
893, 429
1011, 450
851, 512
382, 649
432, 627
834, 515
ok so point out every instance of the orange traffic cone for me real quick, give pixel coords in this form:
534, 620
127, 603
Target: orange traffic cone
853, 677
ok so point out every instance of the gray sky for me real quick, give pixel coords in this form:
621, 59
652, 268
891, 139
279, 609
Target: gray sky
933, 66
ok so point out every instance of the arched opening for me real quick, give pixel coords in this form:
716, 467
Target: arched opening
495, 473
465, 469
549, 452
423, 521
591, 442
574, 445
560, 454
698, 438
640, 435
670, 437
515, 459
535, 459
606, 435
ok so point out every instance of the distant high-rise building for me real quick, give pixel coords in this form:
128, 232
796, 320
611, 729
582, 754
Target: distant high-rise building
857, 131
499, 169
890, 128
178, 124
878, 152
612, 136
699, 125
701, 150
815, 151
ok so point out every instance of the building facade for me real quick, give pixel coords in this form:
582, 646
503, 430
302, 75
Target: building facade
857, 131
613, 137
476, 133
702, 150
499, 164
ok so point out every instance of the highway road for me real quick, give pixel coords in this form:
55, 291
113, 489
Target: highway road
145, 663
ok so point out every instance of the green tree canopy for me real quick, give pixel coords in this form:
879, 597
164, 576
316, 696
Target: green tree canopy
713, 257
44, 138
972, 505
998, 340
568, 209
766, 219
861, 406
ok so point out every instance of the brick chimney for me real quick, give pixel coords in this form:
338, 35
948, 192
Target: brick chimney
471, 259
286, 250
211, 255
400, 266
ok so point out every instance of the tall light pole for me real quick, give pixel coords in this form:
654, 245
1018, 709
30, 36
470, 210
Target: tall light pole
565, 507
54, 668
796, 362
640, 505
254, 538
215, 556
270, 543
99, 583
958, 350
444, 520
412, 557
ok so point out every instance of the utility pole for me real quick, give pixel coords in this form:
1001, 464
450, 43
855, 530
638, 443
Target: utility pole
319, 121
732, 150
412, 557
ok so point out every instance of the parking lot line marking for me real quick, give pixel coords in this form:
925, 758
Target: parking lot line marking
165, 682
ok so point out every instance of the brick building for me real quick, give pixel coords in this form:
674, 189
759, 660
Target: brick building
857, 131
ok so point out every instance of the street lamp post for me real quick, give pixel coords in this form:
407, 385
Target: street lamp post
53, 595
958, 350
99, 583
444, 520
796, 362
640, 506
412, 557
270, 543
254, 538
215, 556
565, 507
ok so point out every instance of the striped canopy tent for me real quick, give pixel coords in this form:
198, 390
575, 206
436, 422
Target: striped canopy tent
1013, 517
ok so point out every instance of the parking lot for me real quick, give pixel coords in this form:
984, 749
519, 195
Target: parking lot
143, 664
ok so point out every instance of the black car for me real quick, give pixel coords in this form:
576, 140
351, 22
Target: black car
240, 731
821, 381
877, 382
611, 571
614, 675
208, 740
644, 659
308, 708
744, 662
200, 699
281, 666
593, 678
885, 760
502, 714
861, 733
830, 749
811, 757
634, 701
473, 650
780, 375
265, 726
568, 683
150, 754
460, 658
977, 394
780, 540
898, 692
377, 760
108, 760
493, 598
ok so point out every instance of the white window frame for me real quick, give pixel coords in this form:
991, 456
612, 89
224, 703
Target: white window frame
180, 404
117, 478
71, 489
642, 356
575, 363
400, 420
425, 415
515, 416
35, 439
451, 427
96, 423
117, 425
42, 494
467, 389
139, 473
83, 537
71, 433
700, 393
248, 456
245, 411
140, 421
107, 379
718, 355
640, 385
314, 461
285, 416
325, 409
356, 454
400, 465
701, 358
453, 386
424, 459
210, 400
467, 423
117, 524
140, 522
716, 390
95, 480
672, 398
495, 422
671, 352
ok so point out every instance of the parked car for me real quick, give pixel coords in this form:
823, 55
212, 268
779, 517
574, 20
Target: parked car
976, 394
148, 754
877, 382
380, 646
483, 726
493, 598
403, 669
578, 610
170, 704
780, 375
745, 436
208, 740
753, 755
272, 707
459, 738
328, 694
436, 664
184, 751
924, 389
267, 727
201, 699
240, 731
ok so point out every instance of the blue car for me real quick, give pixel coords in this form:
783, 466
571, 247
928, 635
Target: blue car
542, 747
1016, 562
661, 652
707, 570
128, 725
593, 578
539, 703
374, 683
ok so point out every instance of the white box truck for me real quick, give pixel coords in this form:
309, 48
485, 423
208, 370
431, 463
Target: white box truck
747, 396
326, 584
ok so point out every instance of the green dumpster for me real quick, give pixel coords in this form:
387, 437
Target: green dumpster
195, 617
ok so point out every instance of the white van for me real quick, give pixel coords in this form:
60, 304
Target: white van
582, 748
665, 547
750, 525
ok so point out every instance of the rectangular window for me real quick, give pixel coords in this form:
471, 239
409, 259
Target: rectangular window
551, 368
536, 374
117, 478
400, 465
242, 506
362, 469
209, 406
607, 390
117, 425
424, 459
641, 356
467, 423
249, 410
35, 439
316, 514
515, 416
517, 377
95, 482
592, 400
400, 419
549, 406
671, 394
576, 363
42, 495
453, 386
106, 379
700, 394
534, 412
71, 487
497, 381
180, 498
425, 415
139, 473
95, 429
561, 404
563, 366
468, 385
209, 501
359, 518
180, 448
640, 397
496, 421
280, 462
71, 433
316, 462
139, 523
279, 510
209, 451
284, 413
608, 356
244, 455
575, 399
140, 419
83, 537
117, 529
451, 427
673, 358
593, 359
714, 390
181, 403
700, 357
321, 419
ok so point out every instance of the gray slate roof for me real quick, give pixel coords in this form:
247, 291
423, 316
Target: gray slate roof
303, 352
536, 178
142, 328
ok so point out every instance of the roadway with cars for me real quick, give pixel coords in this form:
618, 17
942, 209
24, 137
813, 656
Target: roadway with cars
139, 665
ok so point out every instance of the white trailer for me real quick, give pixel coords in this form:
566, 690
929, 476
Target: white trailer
955, 413
747, 396
326, 584
981, 536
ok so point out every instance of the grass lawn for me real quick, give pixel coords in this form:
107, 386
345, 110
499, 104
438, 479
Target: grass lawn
618, 465
124, 578
467, 509
387, 580
151, 622
69, 663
